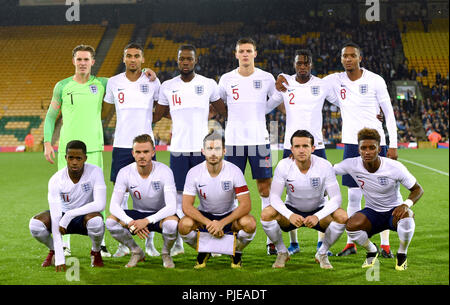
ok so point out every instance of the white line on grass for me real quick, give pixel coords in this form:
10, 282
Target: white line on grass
424, 166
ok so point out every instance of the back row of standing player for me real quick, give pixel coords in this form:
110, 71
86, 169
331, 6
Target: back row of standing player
358, 92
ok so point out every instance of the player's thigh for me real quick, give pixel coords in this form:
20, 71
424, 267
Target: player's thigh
320, 153
269, 214
340, 216
179, 164
237, 155
121, 157
45, 218
89, 216
246, 223
187, 224
260, 159
173, 217
358, 221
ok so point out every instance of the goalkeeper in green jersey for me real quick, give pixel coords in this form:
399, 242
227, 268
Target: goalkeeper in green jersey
79, 98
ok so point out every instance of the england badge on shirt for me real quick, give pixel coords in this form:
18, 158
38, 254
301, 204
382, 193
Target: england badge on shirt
143, 88
86, 187
156, 185
226, 186
315, 90
257, 84
93, 89
199, 89
315, 182
383, 181
363, 89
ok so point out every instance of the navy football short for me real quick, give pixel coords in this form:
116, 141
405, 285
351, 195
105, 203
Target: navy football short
380, 220
140, 215
351, 151
259, 157
77, 226
304, 215
318, 152
210, 216
121, 157
181, 163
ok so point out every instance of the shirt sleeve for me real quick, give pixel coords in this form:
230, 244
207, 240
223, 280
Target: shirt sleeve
405, 177
276, 190
340, 168
334, 192
330, 93
272, 88
170, 197
109, 95
98, 205
215, 92
117, 197
189, 185
385, 103
223, 89
162, 99
275, 100
156, 91
54, 202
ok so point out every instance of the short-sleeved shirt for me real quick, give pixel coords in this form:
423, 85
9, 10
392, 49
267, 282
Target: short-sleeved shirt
246, 98
304, 103
381, 189
217, 195
134, 107
189, 109
81, 107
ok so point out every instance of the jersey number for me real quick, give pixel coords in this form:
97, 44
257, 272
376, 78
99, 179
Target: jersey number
343, 91
235, 94
137, 195
121, 97
202, 194
291, 187
65, 197
176, 100
291, 95
362, 183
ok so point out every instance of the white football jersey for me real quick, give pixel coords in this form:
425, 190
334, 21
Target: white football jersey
74, 195
189, 108
246, 98
304, 103
381, 189
305, 192
147, 193
134, 107
216, 194
360, 102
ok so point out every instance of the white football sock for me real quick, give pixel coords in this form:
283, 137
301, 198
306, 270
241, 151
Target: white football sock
320, 236
121, 234
41, 233
95, 229
405, 230
293, 236
190, 239
149, 239
179, 212
169, 234
273, 231
354, 203
265, 202
361, 238
384, 236
244, 238
332, 234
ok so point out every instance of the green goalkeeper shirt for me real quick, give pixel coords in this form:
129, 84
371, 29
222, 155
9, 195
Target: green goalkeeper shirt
81, 106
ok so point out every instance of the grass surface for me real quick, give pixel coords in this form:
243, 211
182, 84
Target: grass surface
23, 194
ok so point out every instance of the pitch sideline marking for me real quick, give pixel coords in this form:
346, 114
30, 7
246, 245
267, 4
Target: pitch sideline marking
424, 166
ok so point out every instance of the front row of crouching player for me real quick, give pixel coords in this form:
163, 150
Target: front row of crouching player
77, 194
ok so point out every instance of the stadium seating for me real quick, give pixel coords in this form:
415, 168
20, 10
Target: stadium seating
30, 73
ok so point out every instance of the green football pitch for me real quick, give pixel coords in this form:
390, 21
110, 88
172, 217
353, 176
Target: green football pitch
23, 186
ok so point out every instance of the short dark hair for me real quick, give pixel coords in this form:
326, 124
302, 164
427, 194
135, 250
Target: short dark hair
189, 47
212, 136
84, 47
76, 144
304, 52
144, 138
369, 134
246, 40
352, 44
133, 45
303, 134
